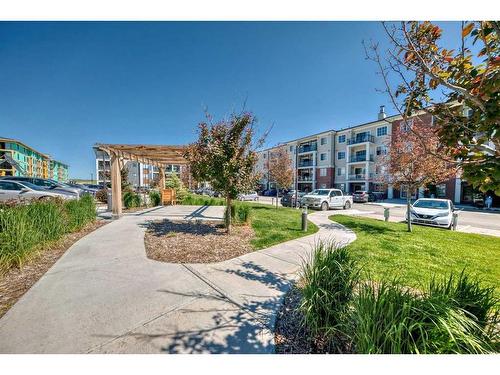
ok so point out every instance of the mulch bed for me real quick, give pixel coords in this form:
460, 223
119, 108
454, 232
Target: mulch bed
196, 241
291, 336
16, 281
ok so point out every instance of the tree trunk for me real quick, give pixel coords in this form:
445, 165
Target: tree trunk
277, 195
408, 205
228, 215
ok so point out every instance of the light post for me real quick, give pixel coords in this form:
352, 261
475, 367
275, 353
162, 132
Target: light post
304, 219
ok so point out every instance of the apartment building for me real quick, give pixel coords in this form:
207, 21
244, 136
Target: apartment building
19, 159
139, 174
347, 159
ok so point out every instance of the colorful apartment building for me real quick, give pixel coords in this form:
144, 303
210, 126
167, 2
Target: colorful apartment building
19, 159
346, 159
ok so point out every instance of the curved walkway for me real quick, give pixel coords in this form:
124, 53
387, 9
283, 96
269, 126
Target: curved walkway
105, 296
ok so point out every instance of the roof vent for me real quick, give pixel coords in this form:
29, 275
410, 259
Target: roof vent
381, 114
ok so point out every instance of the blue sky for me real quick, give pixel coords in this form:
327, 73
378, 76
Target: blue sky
65, 86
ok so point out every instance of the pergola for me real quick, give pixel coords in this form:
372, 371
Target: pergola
154, 155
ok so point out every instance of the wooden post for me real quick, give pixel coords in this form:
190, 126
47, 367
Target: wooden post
116, 187
162, 178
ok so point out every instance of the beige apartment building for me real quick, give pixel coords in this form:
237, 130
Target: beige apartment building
347, 159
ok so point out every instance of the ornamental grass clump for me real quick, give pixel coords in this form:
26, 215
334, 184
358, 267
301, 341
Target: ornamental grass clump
389, 318
329, 279
131, 199
241, 213
155, 198
25, 229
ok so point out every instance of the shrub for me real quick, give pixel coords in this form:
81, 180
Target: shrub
102, 195
27, 228
388, 318
240, 213
329, 277
131, 199
201, 200
155, 198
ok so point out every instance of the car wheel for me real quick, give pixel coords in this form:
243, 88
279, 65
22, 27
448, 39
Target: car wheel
347, 205
324, 206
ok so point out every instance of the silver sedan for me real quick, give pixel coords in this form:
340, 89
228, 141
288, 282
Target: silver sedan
26, 191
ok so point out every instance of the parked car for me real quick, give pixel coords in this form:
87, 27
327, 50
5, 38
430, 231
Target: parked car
83, 189
434, 212
292, 198
54, 186
248, 196
269, 193
25, 191
326, 199
362, 196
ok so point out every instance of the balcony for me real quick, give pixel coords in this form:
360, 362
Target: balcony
304, 179
307, 148
360, 176
360, 158
361, 139
305, 163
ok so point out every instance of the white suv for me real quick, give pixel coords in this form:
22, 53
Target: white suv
435, 212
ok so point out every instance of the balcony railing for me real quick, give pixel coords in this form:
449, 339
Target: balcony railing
306, 163
360, 176
356, 159
361, 139
304, 179
307, 148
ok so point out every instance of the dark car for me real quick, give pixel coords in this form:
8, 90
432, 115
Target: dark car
292, 199
362, 196
270, 193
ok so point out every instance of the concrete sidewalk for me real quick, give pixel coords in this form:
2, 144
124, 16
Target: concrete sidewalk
105, 296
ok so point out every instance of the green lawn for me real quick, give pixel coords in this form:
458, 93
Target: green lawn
387, 251
273, 225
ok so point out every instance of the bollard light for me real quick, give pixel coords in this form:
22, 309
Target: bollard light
454, 221
386, 213
304, 219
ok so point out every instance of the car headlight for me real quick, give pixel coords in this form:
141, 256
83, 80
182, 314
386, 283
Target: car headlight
443, 214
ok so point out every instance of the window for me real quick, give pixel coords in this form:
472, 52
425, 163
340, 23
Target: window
323, 141
406, 126
381, 150
264, 156
381, 131
340, 171
322, 172
341, 138
322, 156
441, 190
291, 148
341, 155
9, 186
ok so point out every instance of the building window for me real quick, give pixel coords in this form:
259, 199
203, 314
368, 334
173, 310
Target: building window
322, 156
405, 126
342, 138
264, 156
322, 172
381, 150
323, 141
291, 148
441, 190
381, 131
341, 155
340, 171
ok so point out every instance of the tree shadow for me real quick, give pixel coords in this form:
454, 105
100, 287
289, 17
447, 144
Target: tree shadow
221, 322
195, 227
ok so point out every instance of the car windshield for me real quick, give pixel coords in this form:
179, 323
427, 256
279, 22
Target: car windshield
320, 192
31, 186
437, 205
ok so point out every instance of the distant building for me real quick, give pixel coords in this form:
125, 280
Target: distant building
19, 159
346, 159
139, 174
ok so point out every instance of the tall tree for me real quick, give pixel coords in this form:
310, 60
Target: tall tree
280, 169
224, 156
409, 165
459, 87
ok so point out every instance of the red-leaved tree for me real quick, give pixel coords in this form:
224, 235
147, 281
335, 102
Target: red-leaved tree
409, 165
